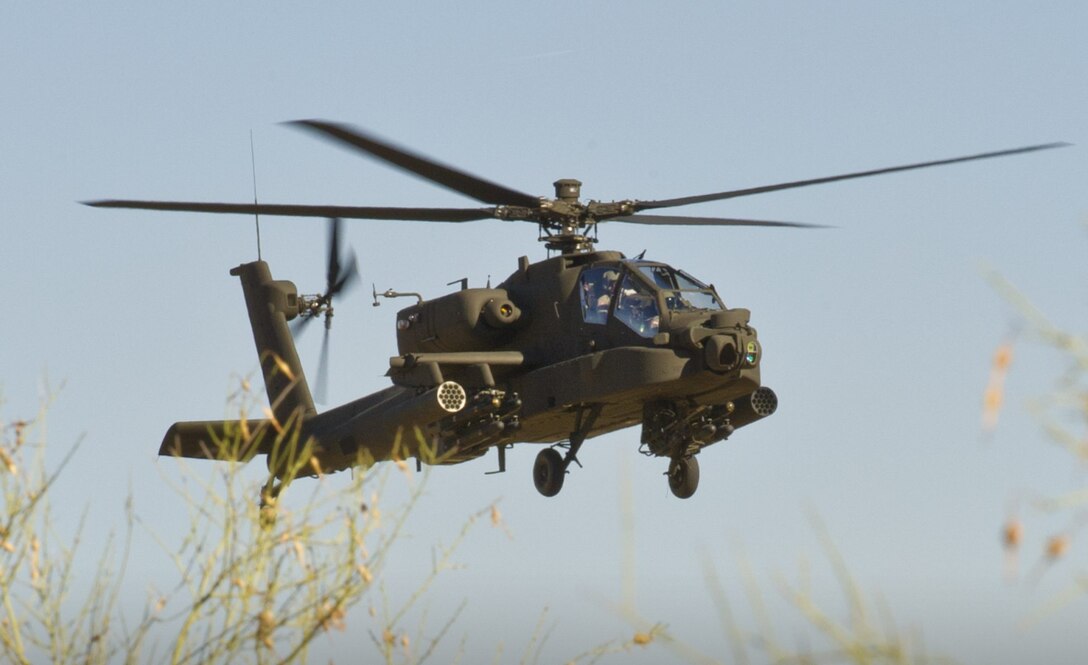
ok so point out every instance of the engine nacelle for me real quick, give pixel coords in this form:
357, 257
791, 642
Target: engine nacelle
466, 320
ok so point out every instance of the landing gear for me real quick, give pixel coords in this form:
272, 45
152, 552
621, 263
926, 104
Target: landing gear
270, 495
683, 476
550, 467
549, 471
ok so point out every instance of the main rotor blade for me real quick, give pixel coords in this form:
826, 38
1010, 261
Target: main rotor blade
680, 220
449, 177
350, 212
688, 200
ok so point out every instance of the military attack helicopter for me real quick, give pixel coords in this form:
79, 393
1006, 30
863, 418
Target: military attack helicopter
582, 343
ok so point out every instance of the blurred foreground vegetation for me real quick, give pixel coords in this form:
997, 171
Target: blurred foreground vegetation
259, 582
1062, 414
253, 581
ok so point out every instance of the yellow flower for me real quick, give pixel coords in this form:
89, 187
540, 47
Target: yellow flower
642, 639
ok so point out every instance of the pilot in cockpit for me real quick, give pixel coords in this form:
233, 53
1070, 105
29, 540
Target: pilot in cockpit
607, 287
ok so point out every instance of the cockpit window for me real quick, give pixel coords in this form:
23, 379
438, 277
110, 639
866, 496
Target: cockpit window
598, 285
636, 307
682, 291
688, 283
660, 275
683, 301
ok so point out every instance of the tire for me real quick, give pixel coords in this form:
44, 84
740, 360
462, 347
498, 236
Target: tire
548, 472
684, 476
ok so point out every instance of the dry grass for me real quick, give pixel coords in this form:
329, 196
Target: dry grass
257, 582
1062, 414
866, 635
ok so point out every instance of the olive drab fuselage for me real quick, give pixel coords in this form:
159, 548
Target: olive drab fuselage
584, 329
563, 350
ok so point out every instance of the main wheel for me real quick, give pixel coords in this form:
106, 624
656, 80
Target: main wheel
548, 472
684, 476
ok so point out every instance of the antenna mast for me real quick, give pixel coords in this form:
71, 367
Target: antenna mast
256, 215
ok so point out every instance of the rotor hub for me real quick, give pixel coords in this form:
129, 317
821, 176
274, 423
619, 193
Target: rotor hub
565, 221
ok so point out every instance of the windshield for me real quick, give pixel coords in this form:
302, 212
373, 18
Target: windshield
598, 284
682, 291
636, 307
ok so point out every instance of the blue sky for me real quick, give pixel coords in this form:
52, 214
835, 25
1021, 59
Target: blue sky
877, 334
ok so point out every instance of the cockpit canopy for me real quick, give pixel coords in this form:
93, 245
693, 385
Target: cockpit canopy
637, 292
682, 292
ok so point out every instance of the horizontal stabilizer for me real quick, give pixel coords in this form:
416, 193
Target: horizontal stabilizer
217, 439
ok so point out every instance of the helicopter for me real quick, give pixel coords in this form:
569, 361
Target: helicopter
568, 348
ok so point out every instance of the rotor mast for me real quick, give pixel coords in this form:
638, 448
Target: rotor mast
564, 221
566, 224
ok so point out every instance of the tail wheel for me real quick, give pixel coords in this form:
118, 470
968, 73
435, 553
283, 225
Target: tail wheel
548, 472
684, 476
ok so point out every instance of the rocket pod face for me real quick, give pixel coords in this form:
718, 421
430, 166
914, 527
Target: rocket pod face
451, 397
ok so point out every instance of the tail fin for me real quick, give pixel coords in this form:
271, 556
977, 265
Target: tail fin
271, 304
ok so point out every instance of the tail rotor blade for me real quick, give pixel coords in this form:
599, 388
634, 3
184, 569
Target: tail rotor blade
339, 274
322, 380
349, 276
300, 325
332, 274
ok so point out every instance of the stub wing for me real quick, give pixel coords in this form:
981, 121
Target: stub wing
218, 439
